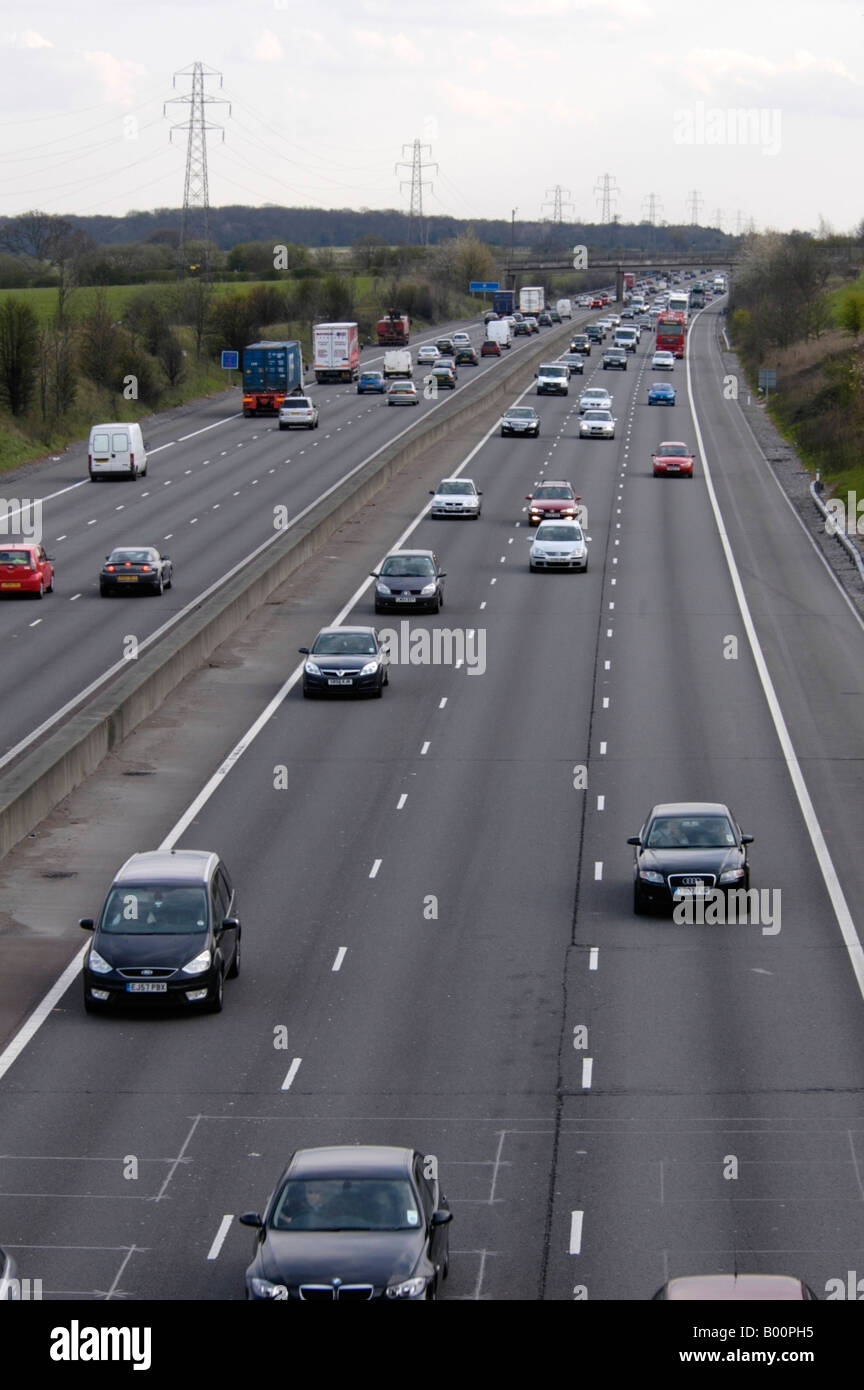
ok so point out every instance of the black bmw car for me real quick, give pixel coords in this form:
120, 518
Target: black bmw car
135, 569
352, 1222
346, 661
688, 849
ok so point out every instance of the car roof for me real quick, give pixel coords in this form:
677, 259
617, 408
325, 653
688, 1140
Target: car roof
555, 482
673, 443
735, 1286
22, 545
351, 1160
401, 553
458, 480
690, 808
367, 631
163, 866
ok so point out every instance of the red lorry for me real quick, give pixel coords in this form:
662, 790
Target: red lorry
393, 330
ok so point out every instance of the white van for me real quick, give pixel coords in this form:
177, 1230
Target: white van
116, 449
500, 333
626, 338
565, 308
398, 362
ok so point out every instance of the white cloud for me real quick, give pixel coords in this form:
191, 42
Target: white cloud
117, 75
399, 45
474, 101
268, 48
29, 39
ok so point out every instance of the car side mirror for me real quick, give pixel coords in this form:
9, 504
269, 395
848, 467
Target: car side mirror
431, 492
304, 651
49, 557
633, 840
87, 923
479, 492
250, 1218
146, 443
166, 557
373, 574
441, 1218
746, 839
442, 574
230, 922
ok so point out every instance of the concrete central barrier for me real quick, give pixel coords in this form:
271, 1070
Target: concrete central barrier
42, 778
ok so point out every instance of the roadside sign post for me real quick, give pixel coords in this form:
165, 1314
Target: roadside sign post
767, 379
230, 361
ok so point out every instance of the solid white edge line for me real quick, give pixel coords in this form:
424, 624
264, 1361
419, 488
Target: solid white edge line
793, 767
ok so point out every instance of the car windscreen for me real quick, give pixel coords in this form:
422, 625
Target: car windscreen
455, 488
597, 415
344, 644
556, 493
560, 532
674, 451
346, 1204
153, 910
520, 413
412, 565
553, 371
690, 832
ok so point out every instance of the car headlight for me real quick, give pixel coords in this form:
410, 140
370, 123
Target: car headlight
408, 1288
98, 964
429, 588
369, 669
311, 669
651, 876
198, 964
382, 587
731, 875
262, 1288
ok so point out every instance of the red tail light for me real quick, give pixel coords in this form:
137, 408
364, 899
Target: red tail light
110, 569
145, 567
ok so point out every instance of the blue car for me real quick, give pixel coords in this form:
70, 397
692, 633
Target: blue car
371, 381
661, 393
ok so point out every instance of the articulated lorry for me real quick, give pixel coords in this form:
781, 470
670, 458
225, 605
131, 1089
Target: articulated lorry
532, 300
504, 302
335, 352
271, 371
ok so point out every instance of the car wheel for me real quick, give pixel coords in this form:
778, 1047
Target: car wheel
158, 589
379, 690
169, 583
387, 676
51, 585
89, 1006
234, 969
103, 591
40, 592
215, 1004
283, 427
532, 568
441, 600
640, 907
436, 606
378, 608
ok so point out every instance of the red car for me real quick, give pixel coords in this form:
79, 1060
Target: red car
550, 501
490, 348
26, 569
597, 302
673, 459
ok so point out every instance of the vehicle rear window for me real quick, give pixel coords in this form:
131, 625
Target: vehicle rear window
100, 443
152, 910
120, 443
15, 557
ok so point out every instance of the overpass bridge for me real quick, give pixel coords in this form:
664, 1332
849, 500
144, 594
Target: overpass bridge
619, 264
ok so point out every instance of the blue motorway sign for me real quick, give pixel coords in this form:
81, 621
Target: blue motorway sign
483, 286
230, 361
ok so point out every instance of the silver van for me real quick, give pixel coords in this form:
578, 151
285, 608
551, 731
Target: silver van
116, 450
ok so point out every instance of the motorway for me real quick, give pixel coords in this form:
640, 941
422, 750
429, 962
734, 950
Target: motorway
202, 502
443, 896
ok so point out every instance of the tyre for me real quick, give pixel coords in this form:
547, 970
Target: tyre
214, 1005
158, 590
51, 586
387, 677
234, 969
104, 591
436, 607
532, 568
377, 693
40, 592
639, 905
283, 427
169, 583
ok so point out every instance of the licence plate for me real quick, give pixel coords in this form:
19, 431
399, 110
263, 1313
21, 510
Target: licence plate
405, 598
127, 579
344, 680
10, 586
147, 987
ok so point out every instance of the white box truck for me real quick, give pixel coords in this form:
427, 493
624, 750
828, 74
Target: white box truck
397, 362
335, 352
532, 300
499, 332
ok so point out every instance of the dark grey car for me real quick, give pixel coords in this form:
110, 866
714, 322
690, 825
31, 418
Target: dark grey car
409, 579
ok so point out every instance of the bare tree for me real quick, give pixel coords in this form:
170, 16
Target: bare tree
19, 354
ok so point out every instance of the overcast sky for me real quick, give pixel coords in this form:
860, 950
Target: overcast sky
756, 107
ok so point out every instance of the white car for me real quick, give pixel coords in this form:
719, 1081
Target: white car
662, 360
456, 497
298, 412
597, 424
614, 319
429, 354
595, 398
585, 301
461, 340
558, 545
